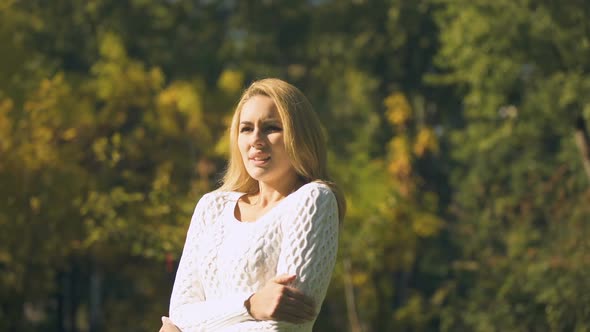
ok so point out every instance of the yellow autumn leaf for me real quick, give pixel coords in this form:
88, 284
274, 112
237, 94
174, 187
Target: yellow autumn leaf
182, 97
69, 134
359, 278
399, 145
426, 225
426, 141
162, 177
6, 106
111, 47
400, 166
168, 97
222, 146
99, 148
230, 81
35, 204
398, 108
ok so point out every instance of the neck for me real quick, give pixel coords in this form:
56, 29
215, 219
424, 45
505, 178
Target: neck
270, 194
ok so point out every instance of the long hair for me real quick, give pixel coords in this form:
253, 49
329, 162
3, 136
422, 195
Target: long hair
304, 140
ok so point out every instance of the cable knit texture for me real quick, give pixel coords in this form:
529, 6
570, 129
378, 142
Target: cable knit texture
225, 261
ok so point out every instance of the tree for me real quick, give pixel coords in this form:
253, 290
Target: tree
521, 191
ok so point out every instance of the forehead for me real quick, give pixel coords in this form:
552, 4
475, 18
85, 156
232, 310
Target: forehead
259, 108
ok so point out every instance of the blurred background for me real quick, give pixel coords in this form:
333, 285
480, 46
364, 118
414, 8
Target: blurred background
457, 128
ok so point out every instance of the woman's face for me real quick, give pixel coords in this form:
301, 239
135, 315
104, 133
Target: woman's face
261, 141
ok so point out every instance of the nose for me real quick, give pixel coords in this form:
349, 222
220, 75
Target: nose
258, 138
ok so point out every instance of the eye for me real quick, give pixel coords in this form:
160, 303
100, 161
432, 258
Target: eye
245, 129
273, 129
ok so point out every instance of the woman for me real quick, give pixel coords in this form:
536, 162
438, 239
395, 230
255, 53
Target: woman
260, 250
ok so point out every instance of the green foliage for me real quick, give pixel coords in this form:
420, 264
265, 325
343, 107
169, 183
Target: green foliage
521, 193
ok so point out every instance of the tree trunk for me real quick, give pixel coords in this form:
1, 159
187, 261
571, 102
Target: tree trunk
95, 300
353, 319
583, 143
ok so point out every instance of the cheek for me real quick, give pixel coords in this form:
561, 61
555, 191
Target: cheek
279, 149
242, 146
241, 142
277, 141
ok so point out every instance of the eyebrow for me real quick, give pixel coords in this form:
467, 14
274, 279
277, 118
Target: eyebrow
265, 121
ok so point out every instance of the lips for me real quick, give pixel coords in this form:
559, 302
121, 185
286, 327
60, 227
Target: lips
258, 156
259, 159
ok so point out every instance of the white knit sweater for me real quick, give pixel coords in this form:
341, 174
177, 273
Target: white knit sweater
225, 261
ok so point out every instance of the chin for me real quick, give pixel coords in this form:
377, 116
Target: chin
257, 175
263, 176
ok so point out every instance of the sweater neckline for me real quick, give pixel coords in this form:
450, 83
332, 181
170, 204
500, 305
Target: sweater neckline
231, 211
234, 205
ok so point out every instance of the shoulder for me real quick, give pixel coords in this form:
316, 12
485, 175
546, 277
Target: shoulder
219, 197
315, 196
313, 206
317, 191
213, 203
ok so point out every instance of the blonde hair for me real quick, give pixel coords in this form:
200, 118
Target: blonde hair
305, 143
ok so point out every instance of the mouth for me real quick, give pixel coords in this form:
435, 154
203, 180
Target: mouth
259, 160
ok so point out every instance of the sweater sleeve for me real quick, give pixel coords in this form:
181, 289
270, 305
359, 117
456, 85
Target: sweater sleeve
310, 242
189, 308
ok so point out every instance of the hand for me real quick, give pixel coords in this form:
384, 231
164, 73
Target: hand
278, 301
168, 326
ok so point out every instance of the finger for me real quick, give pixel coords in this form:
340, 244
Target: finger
292, 312
291, 319
169, 328
291, 316
300, 296
167, 325
284, 278
305, 311
296, 304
